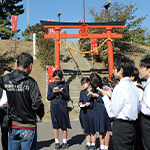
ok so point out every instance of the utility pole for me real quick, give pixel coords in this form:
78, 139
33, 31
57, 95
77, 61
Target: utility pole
28, 11
83, 11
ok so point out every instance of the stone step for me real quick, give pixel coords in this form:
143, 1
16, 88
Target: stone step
71, 76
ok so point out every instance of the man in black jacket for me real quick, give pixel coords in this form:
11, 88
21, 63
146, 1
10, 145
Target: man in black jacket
24, 104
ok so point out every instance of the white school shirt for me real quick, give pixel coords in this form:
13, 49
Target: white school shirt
140, 90
144, 106
3, 99
124, 101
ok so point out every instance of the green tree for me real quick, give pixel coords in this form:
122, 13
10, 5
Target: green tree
132, 32
120, 12
7, 9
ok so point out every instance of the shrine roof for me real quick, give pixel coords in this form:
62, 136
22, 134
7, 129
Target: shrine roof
89, 23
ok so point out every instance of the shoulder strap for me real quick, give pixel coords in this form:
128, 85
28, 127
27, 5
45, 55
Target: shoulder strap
51, 87
140, 87
64, 86
1, 92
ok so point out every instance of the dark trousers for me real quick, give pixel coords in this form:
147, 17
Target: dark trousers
145, 130
124, 134
4, 132
138, 144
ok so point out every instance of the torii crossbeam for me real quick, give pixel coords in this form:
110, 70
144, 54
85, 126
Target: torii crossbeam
108, 26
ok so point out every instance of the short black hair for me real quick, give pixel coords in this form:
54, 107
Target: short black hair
145, 63
95, 79
85, 80
58, 73
126, 64
6, 68
135, 74
24, 60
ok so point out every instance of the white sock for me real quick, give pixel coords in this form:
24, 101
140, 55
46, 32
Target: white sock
93, 144
88, 143
102, 147
56, 140
64, 140
106, 147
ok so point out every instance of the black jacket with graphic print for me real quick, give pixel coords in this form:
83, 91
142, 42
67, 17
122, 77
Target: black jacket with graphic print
24, 97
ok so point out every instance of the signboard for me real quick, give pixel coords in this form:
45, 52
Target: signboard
94, 46
51, 30
51, 70
14, 23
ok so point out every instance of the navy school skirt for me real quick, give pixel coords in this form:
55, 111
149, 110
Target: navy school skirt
60, 117
101, 118
87, 120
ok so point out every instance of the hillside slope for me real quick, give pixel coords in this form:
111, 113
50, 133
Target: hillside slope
133, 51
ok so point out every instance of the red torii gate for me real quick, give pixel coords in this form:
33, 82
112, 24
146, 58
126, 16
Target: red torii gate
108, 26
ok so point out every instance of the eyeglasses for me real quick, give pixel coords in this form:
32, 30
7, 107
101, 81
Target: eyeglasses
114, 68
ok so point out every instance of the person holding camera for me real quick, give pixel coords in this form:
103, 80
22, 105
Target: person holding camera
123, 106
58, 94
101, 118
87, 114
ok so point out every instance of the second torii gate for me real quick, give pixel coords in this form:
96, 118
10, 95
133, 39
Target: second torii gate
108, 26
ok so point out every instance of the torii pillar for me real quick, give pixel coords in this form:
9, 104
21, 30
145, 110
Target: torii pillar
108, 26
110, 52
57, 48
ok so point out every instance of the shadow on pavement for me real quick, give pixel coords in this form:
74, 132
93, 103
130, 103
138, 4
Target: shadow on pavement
77, 139
42, 144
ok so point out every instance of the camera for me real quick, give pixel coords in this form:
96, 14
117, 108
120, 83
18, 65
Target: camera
56, 88
110, 84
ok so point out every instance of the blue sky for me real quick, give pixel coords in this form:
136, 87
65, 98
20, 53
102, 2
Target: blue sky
71, 11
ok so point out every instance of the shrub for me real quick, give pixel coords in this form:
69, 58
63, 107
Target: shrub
146, 55
46, 51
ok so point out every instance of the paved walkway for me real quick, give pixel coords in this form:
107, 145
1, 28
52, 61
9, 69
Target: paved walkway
76, 137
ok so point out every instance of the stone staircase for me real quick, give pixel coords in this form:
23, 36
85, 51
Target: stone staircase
71, 73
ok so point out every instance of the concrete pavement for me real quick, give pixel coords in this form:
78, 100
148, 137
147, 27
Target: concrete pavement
76, 137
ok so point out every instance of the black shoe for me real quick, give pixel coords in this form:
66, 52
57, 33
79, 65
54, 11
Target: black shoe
87, 147
64, 146
92, 148
57, 146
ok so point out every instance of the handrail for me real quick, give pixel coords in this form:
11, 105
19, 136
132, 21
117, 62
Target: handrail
76, 63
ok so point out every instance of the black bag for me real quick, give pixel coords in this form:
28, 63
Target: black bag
6, 123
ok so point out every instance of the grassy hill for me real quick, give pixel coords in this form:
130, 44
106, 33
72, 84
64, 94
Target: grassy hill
131, 50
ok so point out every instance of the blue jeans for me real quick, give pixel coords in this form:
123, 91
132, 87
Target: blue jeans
20, 139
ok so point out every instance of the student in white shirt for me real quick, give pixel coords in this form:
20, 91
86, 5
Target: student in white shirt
144, 106
135, 80
123, 106
3, 111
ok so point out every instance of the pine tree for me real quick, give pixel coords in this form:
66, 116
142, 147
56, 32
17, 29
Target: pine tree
7, 9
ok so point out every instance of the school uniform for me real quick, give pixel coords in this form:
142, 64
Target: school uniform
87, 113
123, 106
138, 143
101, 118
144, 107
81, 114
58, 107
